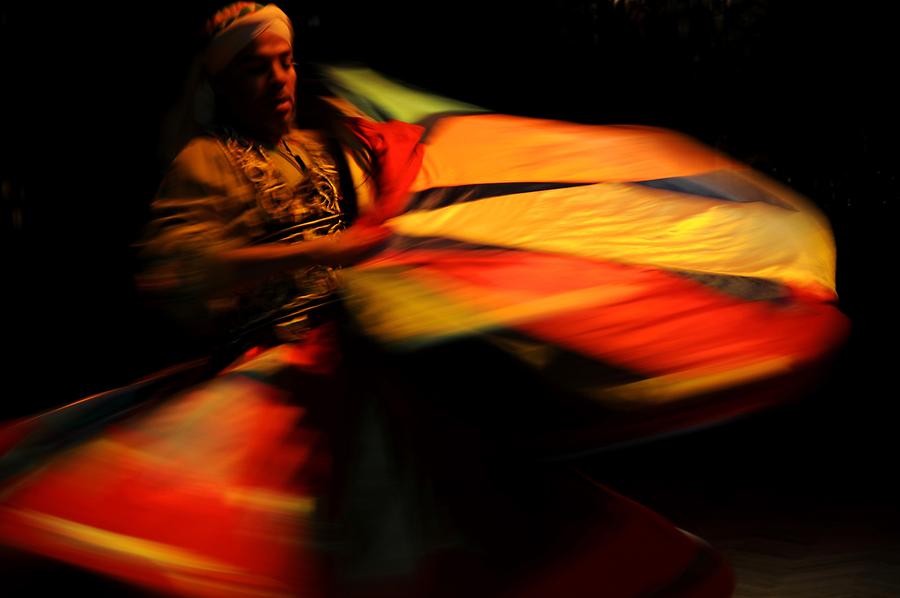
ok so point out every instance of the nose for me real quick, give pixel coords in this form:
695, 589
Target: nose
278, 79
279, 74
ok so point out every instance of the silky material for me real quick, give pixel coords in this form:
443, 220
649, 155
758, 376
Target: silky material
633, 265
216, 491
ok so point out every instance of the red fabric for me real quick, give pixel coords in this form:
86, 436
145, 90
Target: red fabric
650, 321
397, 156
626, 551
186, 476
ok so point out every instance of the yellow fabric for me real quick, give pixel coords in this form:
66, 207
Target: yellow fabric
640, 225
119, 545
665, 389
396, 307
193, 573
656, 390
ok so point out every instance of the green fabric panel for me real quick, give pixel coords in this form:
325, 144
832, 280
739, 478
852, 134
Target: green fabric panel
384, 99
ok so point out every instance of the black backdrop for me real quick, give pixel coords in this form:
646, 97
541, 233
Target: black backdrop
800, 90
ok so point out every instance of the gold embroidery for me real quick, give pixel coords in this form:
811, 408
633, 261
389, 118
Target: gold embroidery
305, 211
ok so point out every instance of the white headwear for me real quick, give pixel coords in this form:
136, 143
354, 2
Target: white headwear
227, 43
196, 109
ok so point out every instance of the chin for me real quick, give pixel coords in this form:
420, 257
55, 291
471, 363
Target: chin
275, 129
283, 123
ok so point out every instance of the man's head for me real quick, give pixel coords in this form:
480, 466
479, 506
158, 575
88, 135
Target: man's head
250, 63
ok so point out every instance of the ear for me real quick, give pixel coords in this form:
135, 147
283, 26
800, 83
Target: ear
205, 103
218, 83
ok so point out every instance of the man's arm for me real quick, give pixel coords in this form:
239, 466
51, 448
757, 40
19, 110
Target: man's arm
249, 264
196, 244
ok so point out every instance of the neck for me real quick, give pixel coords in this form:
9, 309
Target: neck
264, 137
267, 136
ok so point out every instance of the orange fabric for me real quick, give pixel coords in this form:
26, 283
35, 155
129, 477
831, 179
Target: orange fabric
650, 321
209, 494
497, 148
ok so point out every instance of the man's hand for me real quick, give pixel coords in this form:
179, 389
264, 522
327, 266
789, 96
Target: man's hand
247, 265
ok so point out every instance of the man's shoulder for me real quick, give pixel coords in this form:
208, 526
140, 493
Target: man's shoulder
199, 150
203, 157
201, 161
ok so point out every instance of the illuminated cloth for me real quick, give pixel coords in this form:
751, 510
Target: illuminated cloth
212, 492
630, 265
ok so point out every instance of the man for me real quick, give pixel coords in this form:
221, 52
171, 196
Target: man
238, 196
277, 476
248, 227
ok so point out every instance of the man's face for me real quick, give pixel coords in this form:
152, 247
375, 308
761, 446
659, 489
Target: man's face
258, 87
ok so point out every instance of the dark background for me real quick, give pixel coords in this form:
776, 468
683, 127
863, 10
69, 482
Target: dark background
799, 90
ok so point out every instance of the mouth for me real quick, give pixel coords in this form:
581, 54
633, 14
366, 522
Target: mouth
282, 103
